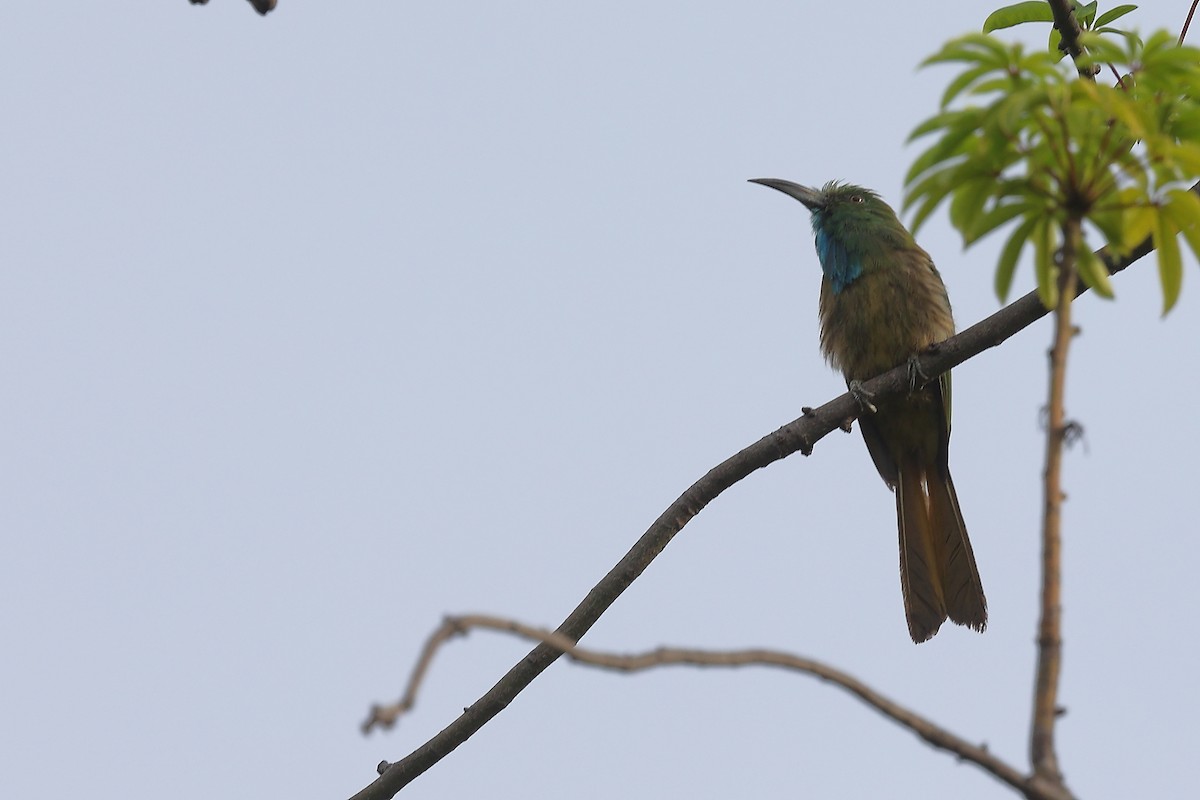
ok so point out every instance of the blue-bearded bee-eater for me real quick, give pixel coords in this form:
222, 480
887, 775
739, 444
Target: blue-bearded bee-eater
882, 303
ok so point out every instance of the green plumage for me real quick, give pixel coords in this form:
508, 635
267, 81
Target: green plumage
883, 302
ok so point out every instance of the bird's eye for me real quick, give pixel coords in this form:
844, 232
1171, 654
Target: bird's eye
856, 198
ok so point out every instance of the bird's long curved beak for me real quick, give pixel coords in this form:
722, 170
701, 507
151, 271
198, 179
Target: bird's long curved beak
810, 197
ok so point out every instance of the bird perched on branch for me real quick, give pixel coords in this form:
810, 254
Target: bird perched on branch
882, 303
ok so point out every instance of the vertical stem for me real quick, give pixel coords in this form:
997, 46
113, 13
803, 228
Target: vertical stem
1045, 700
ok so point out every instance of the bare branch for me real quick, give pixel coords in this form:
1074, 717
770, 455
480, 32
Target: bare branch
937, 736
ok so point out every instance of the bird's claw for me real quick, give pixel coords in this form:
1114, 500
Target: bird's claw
861, 396
916, 375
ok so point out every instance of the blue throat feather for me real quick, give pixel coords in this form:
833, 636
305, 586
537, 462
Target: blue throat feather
836, 262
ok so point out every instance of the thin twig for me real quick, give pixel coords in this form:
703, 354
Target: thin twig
1117, 75
923, 727
386, 716
1187, 22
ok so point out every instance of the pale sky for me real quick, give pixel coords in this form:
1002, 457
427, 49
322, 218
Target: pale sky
319, 326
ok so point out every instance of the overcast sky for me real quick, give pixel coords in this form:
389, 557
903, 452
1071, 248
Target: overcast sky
319, 326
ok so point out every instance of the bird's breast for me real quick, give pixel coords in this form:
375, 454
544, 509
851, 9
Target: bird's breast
883, 317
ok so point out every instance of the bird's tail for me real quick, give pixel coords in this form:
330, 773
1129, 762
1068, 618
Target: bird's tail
937, 567
961, 587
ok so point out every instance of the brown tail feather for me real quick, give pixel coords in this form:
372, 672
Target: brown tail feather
924, 604
961, 587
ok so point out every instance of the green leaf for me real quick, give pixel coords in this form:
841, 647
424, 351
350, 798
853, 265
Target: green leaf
946, 119
1170, 264
1093, 272
1108, 222
927, 206
1100, 50
1159, 52
967, 204
1002, 84
1017, 14
937, 182
974, 47
1054, 46
1139, 223
1127, 111
1183, 207
1130, 36
964, 80
1043, 262
1113, 14
995, 217
1015, 110
1186, 156
944, 149
1007, 264
1185, 124
1085, 14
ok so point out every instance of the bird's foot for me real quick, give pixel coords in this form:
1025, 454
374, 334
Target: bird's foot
916, 376
861, 396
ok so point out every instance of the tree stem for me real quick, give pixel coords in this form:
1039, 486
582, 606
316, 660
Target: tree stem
1043, 753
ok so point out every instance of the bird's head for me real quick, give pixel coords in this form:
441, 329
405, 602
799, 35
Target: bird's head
850, 224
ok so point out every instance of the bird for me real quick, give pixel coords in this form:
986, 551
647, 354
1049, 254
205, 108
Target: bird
882, 302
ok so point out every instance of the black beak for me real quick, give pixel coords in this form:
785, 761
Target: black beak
810, 197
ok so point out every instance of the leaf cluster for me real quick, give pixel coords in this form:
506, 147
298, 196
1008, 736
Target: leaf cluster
1020, 138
